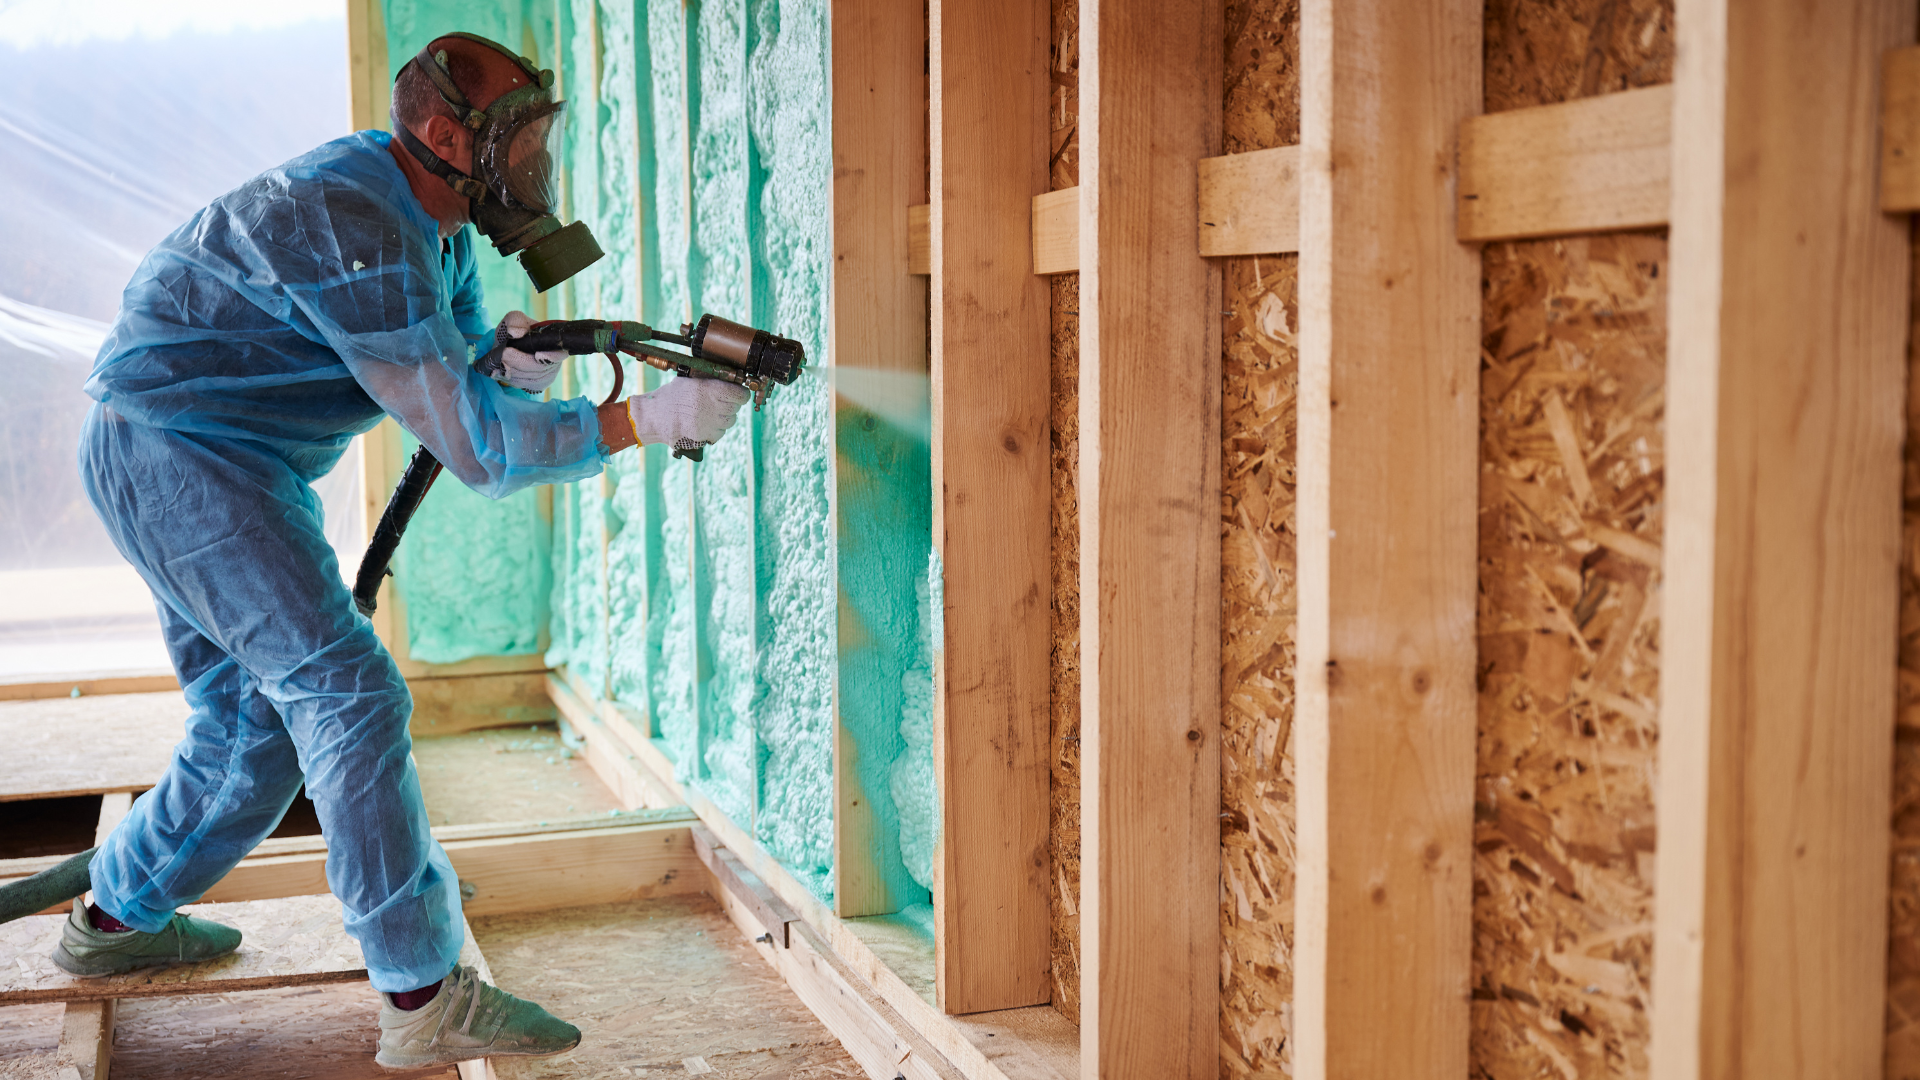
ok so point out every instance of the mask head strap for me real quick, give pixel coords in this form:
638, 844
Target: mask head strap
433, 64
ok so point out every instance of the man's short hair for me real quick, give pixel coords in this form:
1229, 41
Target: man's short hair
416, 100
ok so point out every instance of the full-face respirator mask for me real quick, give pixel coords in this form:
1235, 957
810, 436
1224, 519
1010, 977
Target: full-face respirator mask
510, 181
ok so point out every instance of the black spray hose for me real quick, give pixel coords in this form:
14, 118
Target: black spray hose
414, 483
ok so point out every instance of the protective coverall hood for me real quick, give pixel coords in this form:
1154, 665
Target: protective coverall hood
509, 184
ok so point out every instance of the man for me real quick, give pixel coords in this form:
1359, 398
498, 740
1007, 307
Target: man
251, 346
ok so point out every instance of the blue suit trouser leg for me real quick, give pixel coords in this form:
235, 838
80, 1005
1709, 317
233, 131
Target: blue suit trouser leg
285, 680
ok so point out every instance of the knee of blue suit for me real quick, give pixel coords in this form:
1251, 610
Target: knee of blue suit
252, 344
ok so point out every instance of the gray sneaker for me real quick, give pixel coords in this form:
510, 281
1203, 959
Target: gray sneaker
91, 953
469, 1019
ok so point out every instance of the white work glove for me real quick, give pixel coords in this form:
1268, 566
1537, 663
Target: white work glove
524, 370
686, 412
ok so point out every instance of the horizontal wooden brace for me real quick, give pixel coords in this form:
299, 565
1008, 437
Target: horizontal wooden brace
1584, 166
1900, 130
773, 915
1249, 205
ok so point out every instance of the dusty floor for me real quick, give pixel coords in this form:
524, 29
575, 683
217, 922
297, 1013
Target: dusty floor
300, 1033
530, 776
653, 985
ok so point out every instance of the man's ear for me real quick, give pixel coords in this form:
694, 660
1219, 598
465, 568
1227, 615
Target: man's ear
444, 137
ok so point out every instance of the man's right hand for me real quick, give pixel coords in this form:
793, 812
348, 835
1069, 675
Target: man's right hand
686, 411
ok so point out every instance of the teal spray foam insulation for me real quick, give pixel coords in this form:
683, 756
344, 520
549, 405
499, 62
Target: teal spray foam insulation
634, 563
911, 780
790, 175
885, 511
724, 639
581, 630
669, 631
473, 572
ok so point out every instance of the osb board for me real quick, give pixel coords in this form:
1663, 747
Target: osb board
311, 1032
507, 774
287, 942
1572, 394
1259, 372
294, 941
651, 984
1573, 378
1903, 937
1541, 52
29, 1029
1257, 568
129, 739
1063, 905
1064, 831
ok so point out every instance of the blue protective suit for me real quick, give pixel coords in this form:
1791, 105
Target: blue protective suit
251, 346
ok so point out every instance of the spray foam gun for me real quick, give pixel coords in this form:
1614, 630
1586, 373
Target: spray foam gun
716, 349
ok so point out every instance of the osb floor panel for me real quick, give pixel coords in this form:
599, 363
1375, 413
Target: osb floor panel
292, 941
526, 774
129, 739
295, 1033
652, 984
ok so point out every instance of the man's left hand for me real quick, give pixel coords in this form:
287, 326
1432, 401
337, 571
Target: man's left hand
533, 372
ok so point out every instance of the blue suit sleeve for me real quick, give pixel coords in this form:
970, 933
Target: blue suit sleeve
372, 290
469, 301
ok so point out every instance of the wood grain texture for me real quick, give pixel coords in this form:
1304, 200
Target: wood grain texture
1900, 130
1056, 232
1789, 300
991, 505
1384, 730
1582, 166
86, 1038
1250, 202
1150, 92
879, 321
920, 239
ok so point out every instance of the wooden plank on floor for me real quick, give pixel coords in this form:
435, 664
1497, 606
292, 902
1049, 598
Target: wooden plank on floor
453, 704
1250, 203
88, 745
1786, 378
513, 872
877, 1036
878, 323
1055, 221
1387, 490
86, 1038
1150, 94
88, 685
297, 941
1582, 166
992, 507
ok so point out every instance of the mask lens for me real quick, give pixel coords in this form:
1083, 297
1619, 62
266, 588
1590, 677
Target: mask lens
525, 163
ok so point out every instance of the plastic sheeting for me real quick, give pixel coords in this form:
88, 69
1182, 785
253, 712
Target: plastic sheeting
112, 145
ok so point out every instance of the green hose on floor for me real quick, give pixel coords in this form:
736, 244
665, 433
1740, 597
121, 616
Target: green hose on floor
56, 885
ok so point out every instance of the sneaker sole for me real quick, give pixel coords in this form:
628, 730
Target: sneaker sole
398, 1062
70, 964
